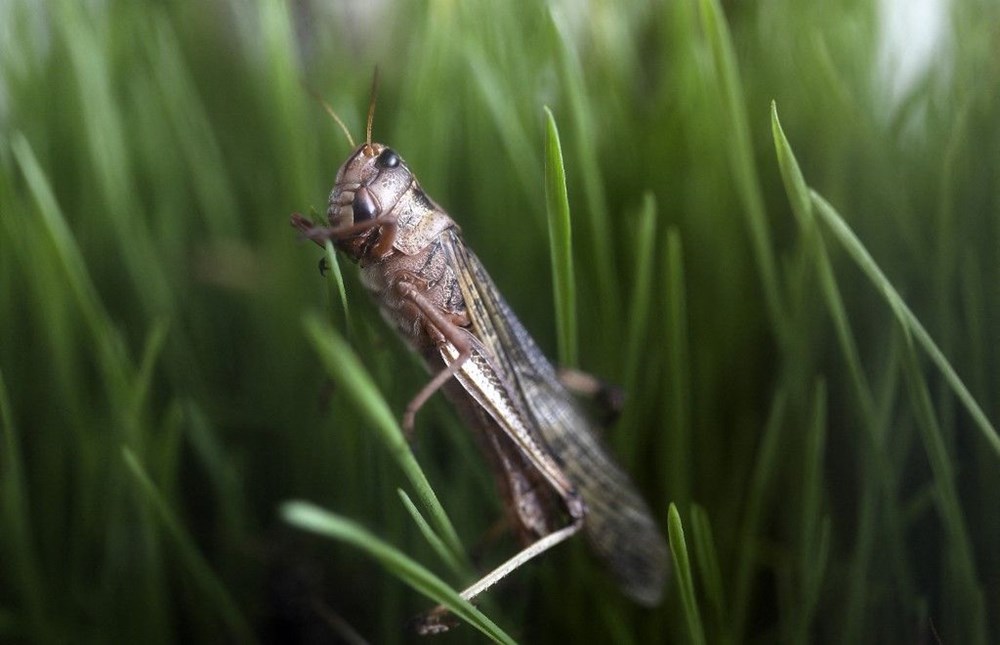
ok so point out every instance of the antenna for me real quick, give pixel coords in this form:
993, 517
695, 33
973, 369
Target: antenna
336, 117
371, 107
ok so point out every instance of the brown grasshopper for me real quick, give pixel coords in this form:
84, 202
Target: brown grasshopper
552, 470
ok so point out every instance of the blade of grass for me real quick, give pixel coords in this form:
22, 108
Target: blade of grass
516, 137
685, 580
836, 224
878, 489
432, 538
760, 479
193, 561
224, 481
709, 570
602, 249
109, 344
642, 292
18, 533
815, 530
143, 381
966, 596
560, 244
309, 517
678, 399
337, 278
741, 156
638, 322
344, 367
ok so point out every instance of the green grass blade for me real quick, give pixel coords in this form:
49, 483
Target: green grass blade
753, 508
308, 517
223, 475
345, 368
18, 541
642, 291
906, 317
516, 138
708, 568
151, 353
685, 579
193, 561
798, 196
560, 244
678, 399
605, 263
637, 332
73, 268
741, 156
337, 278
432, 538
966, 599
878, 489
815, 529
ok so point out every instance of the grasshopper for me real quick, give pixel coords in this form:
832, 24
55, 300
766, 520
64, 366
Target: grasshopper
552, 470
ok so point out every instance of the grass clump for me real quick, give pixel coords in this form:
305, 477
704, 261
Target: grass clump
803, 314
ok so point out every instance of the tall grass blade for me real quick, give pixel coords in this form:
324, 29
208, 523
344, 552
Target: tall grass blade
343, 366
709, 571
685, 579
312, 518
19, 539
678, 398
753, 509
726, 75
836, 224
193, 561
432, 538
966, 597
560, 244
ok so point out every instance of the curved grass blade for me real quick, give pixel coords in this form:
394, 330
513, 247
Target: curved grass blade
742, 160
685, 581
642, 291
764, 470
906, 317
432, 538
602, 248
150, 355
966, 591
113, 361
708, 566
20, 551
333, 266
560, 244
877, 503
678, 399
190, 556
344, 367
309, 517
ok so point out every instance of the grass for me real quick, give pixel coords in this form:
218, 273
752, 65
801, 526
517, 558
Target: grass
803, 313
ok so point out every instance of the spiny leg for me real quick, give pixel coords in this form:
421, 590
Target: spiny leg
437, 620
451, 332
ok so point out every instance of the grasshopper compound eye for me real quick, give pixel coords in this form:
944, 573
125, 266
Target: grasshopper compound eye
364, 206
388, 159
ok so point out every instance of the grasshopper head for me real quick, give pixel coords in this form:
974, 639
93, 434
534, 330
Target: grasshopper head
368, 185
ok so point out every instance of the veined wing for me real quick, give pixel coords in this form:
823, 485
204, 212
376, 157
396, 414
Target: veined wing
619, 526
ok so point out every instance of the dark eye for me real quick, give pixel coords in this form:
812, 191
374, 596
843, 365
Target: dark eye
364, 205
388, 159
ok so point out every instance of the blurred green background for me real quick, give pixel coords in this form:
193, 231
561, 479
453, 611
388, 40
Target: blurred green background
165, 386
